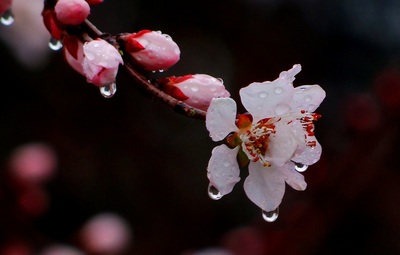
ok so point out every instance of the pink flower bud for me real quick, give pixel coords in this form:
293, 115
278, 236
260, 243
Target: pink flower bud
72, 12
5, 5
73, 52
101, 62
152, 50
196, 90
94, 2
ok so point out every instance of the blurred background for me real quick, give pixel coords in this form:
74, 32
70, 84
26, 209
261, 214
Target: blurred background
82, 174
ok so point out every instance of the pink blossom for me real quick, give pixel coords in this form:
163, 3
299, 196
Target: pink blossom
276, 138
101, 62
72, 12
5, 5
196, 90
152, 50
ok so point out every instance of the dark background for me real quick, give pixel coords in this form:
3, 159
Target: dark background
136, 157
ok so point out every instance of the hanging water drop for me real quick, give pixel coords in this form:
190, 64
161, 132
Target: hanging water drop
270, 216
7, 18
213, 192
55, 44
108, 90
300, 167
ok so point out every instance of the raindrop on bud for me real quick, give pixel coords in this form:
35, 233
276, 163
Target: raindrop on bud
300, 167
214, 193
7, 18
55, 44
108, 90
270, 216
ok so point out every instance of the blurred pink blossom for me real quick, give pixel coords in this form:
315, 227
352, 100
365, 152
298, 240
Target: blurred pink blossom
28, 37
33, 162
106, 233
72, 12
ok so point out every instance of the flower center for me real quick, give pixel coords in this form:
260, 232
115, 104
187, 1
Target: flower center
255, 140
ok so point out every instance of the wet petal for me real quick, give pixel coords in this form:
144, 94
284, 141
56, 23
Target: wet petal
220, 118
309, 152
282, 145
223, 170
268, 99
293, 178
265, 186
307, 97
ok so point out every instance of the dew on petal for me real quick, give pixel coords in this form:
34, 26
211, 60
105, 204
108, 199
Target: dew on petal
194, 88
281, 109
270, 216
214, 193
262, 94
300, 167
307, 98
55, 44
108, 90
7, 18
278, 90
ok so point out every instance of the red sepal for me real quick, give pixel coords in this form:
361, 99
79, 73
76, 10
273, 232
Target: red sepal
50, 22
71, 44
244, 121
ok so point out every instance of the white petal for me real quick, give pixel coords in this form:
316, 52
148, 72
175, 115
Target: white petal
282, 145
223, 170
220, 118
268, 99
307, 97
306, 154
293, 178
265, 186
290, 74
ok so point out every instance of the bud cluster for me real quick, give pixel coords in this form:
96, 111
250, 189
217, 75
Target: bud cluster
97, 56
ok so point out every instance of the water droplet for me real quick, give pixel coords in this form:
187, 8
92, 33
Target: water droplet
281, 109
226, 164
194, 88
108, 90
214, 193
161, 70
220, 80
262, 94
307, 98
55, 44
7, 18
300, 167
270, 216
278, 90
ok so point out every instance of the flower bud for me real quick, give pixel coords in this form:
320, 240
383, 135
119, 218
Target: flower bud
73, 52
196, 90
101, 62
5, 5
152, 50
72, 12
